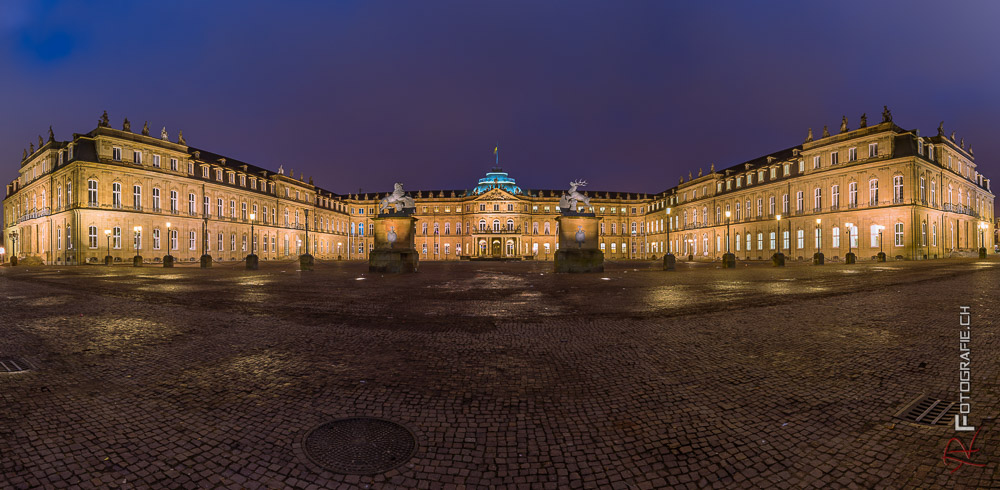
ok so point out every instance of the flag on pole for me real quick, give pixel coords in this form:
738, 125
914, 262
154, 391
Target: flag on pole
496, 150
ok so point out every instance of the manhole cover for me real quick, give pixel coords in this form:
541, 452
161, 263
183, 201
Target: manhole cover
927, 410
13, 365
360, 445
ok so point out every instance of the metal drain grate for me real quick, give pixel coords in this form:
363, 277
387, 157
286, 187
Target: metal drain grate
927, 410
360, 445
13, 365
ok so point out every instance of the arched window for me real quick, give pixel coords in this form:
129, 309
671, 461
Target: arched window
496, 225
437, 229
116, 195
482, 225
510, 224
546, 229
873, 192
447, 231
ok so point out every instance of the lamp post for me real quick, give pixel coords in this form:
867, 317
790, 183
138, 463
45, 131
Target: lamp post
107, 258
252, 260
778, 259
168, 260
851, 258
818, 258
982, 239
881, 253
728, 259
669, 261
137, 260
13, 247
306, 260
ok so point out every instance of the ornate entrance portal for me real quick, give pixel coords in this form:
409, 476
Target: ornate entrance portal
496, 249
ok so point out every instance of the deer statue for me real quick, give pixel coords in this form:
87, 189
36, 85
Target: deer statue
573, 196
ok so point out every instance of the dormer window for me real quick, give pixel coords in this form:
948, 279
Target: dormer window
218, 174
920, 147
872, 150
232, 178
253, 183
173, 164
787, 170
69, 155
137, 157
60, 158
243, 180
852, 154
156, 161
204, 171
116, 154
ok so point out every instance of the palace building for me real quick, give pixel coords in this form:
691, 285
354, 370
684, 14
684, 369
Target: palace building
115, 192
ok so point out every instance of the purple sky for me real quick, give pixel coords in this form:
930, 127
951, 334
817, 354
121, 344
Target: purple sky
627, 95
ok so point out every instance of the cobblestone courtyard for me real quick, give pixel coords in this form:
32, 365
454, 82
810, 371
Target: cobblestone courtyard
508, 375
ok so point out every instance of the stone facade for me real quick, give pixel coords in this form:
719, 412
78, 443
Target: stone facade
924, 191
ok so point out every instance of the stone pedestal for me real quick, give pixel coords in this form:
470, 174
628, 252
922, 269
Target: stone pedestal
108, 260
728, 260
206, 261
778, 259
982, 252
393, 261
252, 262
669, 262
168, 261
578, 243
851, 258
306, 262
818, 258
137, 261
395, 251
880, 257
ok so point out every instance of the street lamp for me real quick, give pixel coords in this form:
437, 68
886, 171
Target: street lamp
982, 239
727, 231
137, 260
850, 238
669, 222
253, 250
13, 247
107, 259
818, 258
881, 252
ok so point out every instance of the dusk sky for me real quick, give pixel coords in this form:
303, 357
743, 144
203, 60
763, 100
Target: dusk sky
626, 95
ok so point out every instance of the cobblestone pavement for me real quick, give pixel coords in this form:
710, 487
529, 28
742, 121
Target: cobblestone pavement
509, 375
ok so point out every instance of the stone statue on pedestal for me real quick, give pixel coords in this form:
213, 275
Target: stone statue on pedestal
809, 137
570, 199
163, 134
145, 128
180, 138
826, 132
398, 199
886, 115
127, 126
103, 121
864, 120
843, 124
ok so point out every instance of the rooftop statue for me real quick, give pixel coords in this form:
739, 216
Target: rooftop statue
711, 167
31, 146
826, 132
864, 120
952, 136
398, 199
163, 134
570, 199
103, 121
699, 172
887, 115
809, 137
941, 129
843, 124
52, 136
281, 170
145, 128
24, 155
126, 125
41, 144
180, 138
